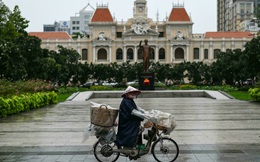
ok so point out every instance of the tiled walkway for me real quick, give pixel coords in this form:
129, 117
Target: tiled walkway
208, 130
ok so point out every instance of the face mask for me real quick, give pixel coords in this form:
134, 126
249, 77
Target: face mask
132, 96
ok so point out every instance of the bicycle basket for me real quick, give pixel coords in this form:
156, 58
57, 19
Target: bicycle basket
103, 116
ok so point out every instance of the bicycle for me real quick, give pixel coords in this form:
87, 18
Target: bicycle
163, 149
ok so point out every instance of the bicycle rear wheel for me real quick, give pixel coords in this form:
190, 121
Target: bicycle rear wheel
165, 150
104, 151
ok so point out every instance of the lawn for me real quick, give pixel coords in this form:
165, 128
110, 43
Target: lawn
240, 95
62, 97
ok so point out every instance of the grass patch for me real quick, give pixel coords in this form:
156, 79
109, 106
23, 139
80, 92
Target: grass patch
63, 96
240, 95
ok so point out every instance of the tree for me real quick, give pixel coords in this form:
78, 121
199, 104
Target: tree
12, 31
251, 58
84, 73
161, 70
257, 15
100, 72
228, 67
67, 61
118, 72
193, 72
176, 72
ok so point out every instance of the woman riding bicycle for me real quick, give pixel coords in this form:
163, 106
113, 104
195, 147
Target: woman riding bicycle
130, 117
129, 137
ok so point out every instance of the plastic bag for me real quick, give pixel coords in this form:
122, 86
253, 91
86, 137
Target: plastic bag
163, 119
107, 133
88, 131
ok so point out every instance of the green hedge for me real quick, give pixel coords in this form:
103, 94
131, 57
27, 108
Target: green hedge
17, 104
255, 93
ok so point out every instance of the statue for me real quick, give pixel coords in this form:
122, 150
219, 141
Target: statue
146, 52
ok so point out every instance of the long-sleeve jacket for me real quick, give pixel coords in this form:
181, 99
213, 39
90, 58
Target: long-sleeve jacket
128, 125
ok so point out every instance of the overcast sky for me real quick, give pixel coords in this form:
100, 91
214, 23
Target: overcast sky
39, 12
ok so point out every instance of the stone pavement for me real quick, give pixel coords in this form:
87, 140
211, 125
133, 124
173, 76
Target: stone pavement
208, 129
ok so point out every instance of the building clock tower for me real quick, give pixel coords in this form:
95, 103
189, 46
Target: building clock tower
140, 8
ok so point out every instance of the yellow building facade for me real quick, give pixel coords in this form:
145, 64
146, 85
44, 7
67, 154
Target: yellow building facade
172, 40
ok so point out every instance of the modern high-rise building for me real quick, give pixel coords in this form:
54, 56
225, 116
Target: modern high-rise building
57, 26
257, 3
231, 13
76, 24
79, 22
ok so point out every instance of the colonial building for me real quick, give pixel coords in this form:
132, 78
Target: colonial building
172, 40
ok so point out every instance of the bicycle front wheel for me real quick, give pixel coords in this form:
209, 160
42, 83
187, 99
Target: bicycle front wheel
104, 151
165, 150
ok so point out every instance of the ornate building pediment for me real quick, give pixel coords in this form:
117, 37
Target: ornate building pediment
140, 26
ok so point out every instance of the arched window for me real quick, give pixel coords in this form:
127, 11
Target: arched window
152, 54
130, 54
119, 54
206, 54
238, 50
102, 54
179, 53
228, 50
139, 54
84, 54
196, 53
161, 54
216, 53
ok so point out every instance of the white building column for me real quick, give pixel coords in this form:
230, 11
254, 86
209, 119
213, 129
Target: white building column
156, 54
135, 54
201, 51
211, 57
56, 46
233, 44
94, 54
124, 54
188, 52
110, 54
171, 55
78, 48
69, 44
223, 45
48, 44
244, 44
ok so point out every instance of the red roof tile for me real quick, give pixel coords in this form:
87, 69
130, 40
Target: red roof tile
102, 15
50, 35
179, 14
228, 35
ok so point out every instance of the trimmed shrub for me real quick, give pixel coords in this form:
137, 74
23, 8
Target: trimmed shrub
255, 94
17, 104
188, 87
101, 88
4, 107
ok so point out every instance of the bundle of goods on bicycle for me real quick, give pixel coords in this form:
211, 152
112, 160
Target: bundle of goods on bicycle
102, 122
164, 121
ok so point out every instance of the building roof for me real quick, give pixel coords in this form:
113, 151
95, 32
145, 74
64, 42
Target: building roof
50, 35
179, 14
102, 15
228, 35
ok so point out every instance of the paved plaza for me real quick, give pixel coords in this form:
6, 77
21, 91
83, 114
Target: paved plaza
209, 129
